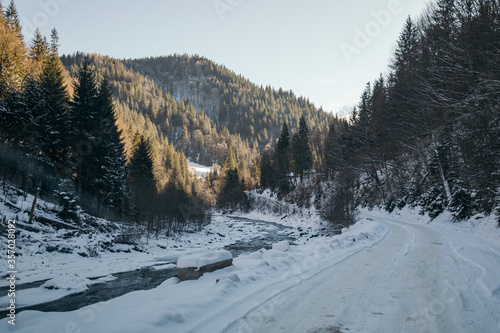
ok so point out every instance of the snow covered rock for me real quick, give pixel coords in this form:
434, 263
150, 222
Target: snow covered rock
192, 266
281, 246
199, 260
73, 282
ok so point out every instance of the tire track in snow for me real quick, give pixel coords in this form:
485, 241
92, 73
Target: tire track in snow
489, 296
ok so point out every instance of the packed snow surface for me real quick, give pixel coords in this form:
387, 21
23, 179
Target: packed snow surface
437, 277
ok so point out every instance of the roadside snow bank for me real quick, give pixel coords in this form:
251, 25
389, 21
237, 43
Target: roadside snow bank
212, 302
203, 259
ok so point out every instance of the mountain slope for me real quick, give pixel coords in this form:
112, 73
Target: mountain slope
213, 109
145, 107
229, 99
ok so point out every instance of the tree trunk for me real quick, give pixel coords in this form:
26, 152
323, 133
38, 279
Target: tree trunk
33, 206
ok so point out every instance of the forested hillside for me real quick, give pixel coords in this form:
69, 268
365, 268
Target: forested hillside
427, 134
230, 100
99, 135
65, 138
202, 108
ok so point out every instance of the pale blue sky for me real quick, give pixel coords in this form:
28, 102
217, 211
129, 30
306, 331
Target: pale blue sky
323, 50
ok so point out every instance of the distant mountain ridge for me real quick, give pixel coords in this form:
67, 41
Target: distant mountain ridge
229, 99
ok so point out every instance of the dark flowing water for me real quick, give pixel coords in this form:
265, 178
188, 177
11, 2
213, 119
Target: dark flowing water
272, 233
148, 277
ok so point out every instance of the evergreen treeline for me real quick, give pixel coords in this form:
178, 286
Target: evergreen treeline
63, 138
425, 135
284, 165
428, 133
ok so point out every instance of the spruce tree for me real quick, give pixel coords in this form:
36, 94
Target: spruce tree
405, 56
302, 155
231, 194
85, 130
382, 138
141, 180
32, 113
282, 160
267, 176
230, 162
179, 176
55, 124
39, 49
403, 101
333, 153
110, 183
13, 17
54, 42
14, 117
13, 64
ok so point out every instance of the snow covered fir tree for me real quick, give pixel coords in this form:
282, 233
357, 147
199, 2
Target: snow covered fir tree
124, 174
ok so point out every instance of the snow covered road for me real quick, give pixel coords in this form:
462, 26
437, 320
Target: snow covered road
415, 280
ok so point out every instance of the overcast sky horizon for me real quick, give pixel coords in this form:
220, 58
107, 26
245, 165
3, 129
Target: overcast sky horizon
323, 50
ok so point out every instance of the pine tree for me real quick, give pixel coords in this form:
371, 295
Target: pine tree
85, 130
141, 180
333, 152
231, 194
39, 49
302, 155
282, 160
111, 183
267, 176
13, 18
13, 58
230, 162
55, 124
406, 54
14, 117
54, 42
405, 115
32, 113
